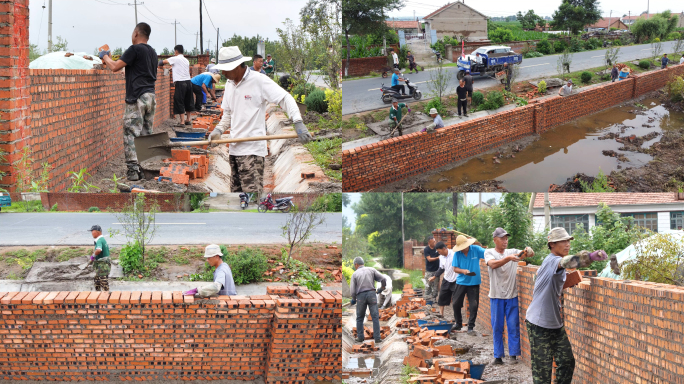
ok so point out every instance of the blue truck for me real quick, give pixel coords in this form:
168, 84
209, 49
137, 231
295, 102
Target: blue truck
489, 63
5, 200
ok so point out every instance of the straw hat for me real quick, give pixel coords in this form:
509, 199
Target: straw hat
216, 77
212, 250
462, 243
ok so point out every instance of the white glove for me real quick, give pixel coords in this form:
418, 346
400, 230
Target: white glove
302, 132
215, 135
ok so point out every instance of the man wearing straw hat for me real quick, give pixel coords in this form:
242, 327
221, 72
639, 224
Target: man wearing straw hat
244, 104
466, 263
223, 283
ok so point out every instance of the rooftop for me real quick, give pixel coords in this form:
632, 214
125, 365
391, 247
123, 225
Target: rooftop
568, 199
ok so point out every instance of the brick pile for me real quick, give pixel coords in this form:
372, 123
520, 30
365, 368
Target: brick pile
385, 314
368, 332
370, 166
367, 346
127, 336
182, 166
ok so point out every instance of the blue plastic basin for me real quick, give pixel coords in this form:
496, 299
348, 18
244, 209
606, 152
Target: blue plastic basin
182, 139
476, 371
189, 135
441, 326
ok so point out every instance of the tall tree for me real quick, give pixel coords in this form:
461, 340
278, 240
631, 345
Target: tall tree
366, 16
530, 19
575, 14
322, 18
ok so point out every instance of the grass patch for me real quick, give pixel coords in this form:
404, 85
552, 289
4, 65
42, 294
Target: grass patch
415, 277
24, 258
326, 152
70, 253
20, 207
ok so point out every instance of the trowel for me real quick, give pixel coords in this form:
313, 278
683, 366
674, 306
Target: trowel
159, 145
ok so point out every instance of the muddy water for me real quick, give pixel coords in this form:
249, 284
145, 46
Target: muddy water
566, 150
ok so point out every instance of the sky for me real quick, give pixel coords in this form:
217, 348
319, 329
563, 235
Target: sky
88, 24
471, 199
493, 8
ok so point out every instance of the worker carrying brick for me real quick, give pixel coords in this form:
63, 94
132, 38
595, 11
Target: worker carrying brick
385, 295
363, 290
502, 263
223, 283
102, 263
141, 76
446, 291
183, 104
245, 99
204, 84
431, 267
466, 263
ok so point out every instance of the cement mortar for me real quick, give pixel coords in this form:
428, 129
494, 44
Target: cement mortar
66, 271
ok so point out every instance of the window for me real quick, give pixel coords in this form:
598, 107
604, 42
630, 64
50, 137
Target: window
648, 220
569, 222
677, 220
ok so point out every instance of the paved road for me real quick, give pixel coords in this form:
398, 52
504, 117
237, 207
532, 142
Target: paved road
364, 95
174, 228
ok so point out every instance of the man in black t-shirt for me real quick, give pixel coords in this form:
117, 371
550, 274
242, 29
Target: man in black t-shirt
431, 267
141, 64
462, 95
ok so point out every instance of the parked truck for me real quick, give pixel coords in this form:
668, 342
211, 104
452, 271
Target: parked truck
5, 200
490, 62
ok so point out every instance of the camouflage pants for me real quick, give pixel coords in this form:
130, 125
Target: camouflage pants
138, 121
400, 129
547, 345
101, 283
247, 174
430, 292
102, 268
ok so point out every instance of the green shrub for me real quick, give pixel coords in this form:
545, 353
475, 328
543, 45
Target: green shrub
541, 87
644, 64
331, 202
248, 265
616, 43
592, 43
532, 54
493, 100
675, 89
93, 209
545, 47
501, 35
437, 104
130, 258
586, 76
674, 36
316, 101
656, 40
560, 45
54, 208
224, 250
302, 89
478, 98
197, 200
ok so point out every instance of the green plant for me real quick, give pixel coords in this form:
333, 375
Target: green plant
674, 36
478, 98
78, 181
501, 35
545, 47
69, 253
302, 88
675, 88
116, 181
299, 225
54, 208
644, 64
248, 265
541, 87
131, 259
331, 202
560, 45
334, 100
493, 100
657, 259
592, 43
93, 209
435, 103
315, 101
347, 270
205, 274
326, 152
600, 184
138, 221
197, 200
533, 54
224, 250
586, 76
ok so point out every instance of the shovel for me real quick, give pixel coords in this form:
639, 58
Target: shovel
159, 145
84, 265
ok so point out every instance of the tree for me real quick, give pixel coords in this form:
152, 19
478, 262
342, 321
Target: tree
248, 45
322, 19
166, 52
530, 20
612, 55
563, 63
34, 52
299, 225
346, 200
138, 221
365, 17
296, 51
117, 51
573, 15
440, 79
501, 35
517, 220
658, 26
658, 259
379, 215
60, 45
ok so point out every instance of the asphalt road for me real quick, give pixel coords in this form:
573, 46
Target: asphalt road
174, 228
364, 94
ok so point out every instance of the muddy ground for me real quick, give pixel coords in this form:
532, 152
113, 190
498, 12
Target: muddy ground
181, 260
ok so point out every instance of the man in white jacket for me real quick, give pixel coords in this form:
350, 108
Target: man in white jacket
385, 296
245, 100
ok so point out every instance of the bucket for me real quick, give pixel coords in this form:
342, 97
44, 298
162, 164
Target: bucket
476, 370
624, 73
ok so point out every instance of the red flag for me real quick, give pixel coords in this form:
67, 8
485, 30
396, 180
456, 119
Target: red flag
462, 48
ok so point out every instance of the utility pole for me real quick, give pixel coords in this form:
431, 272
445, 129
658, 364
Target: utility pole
547, 211
50, 27
648, 8
200, 31
610, 17
196, 36
403, 239
209, 46
135, 5
175, 24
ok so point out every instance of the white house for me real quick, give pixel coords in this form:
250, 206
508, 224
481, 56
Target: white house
659, 212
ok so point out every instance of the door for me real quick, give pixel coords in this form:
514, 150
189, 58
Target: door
402, 38
433, 36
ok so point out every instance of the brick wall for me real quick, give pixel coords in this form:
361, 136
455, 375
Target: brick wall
370, 166
168, 202
364, 66
621, 332
286, 336
413, 258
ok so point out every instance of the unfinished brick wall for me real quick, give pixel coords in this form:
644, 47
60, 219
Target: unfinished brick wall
286, 336
621, 332
66, 201
370, 166
364, 66
413, 259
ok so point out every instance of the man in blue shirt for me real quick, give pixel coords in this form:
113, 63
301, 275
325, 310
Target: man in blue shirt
203, 83
395, 82
257, 64
466, 263
436, 121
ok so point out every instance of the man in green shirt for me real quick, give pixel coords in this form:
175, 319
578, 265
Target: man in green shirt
395, 116
269, 65
100, 259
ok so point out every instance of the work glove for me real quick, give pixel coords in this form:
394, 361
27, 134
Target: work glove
103, 53
215, 135
353, 302
379, 290
470, 273
409, 110
191, 292
570, 262
614, 264
302, 132
92, 257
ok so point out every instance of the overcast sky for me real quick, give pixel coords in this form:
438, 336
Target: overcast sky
88, 24
495, 8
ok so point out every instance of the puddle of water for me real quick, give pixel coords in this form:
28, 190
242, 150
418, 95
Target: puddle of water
368, 362
566, 150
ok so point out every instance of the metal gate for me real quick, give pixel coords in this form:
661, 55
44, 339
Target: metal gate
433, 36
415, 36
402, 38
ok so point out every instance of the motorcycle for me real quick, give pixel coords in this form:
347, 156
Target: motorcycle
244, 200
388, 93
283, 204
439, 56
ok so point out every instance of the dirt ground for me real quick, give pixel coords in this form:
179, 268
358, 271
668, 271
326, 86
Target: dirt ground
180, 261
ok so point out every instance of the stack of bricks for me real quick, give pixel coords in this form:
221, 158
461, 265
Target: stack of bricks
206, 122
183, 166
366, 347
73, 336
370, 166
385, 314
368, 332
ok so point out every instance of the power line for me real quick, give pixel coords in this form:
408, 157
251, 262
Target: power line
205, 8
99, 1
155, 15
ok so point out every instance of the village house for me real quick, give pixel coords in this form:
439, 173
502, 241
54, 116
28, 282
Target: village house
455, 20
408, 26
602, 25
629, 20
